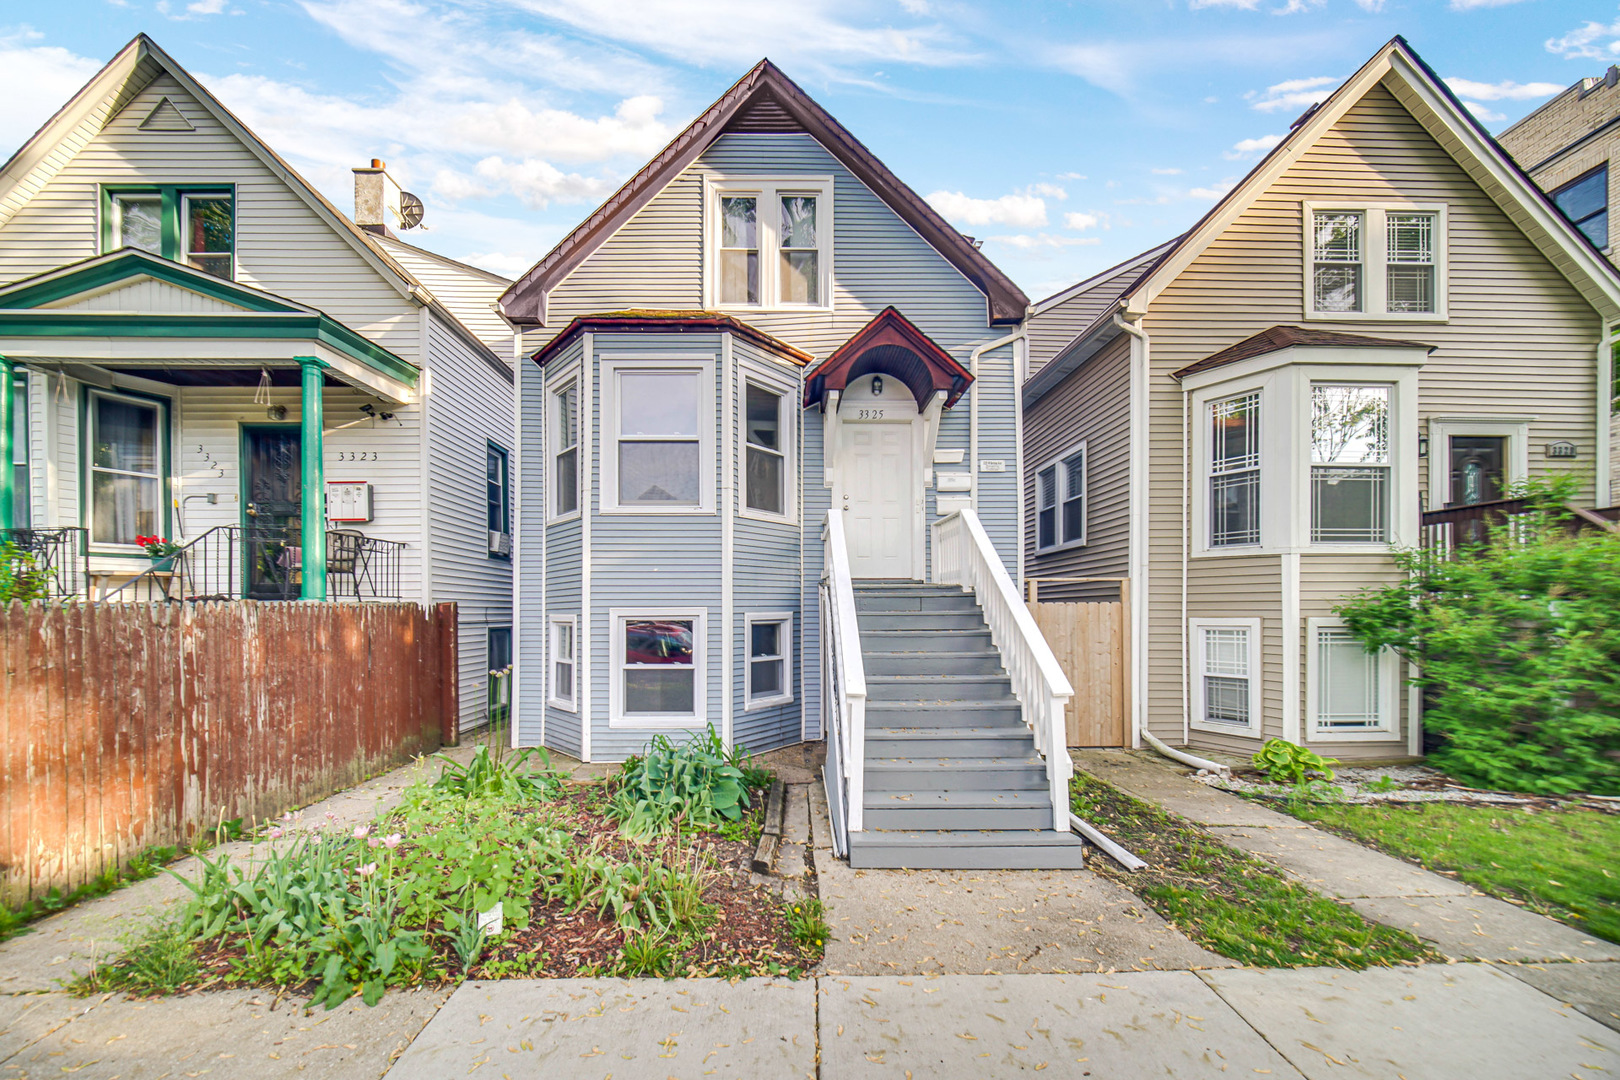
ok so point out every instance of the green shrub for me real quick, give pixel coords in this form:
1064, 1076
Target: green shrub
1518, 644
20, 575
1284, 762
698, 783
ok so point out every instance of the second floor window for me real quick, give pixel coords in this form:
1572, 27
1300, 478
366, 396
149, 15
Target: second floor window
192, 226
1234, 471
498, 499
1375, 262
565, 450
771, 243
1585, 201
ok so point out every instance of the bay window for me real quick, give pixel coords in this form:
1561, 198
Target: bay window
125, 451
662, 443
1375, 262
658, 658
765, 450
770, 242
564, 403
1234, 470
1350, 464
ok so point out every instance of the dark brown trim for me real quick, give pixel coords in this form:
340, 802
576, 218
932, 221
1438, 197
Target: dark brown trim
524, 302
1275, 338
891, 343
667, 322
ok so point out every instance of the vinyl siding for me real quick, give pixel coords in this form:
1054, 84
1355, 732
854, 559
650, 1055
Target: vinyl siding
469, 406
1321, 588
1052, 328
1519, 340
467, 293
1091, 405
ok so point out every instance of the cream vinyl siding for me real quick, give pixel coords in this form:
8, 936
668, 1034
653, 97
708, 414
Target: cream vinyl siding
1519, 340
466, 292
282, 245
1091, 404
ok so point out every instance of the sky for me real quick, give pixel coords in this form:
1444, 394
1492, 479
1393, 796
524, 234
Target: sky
1066, 136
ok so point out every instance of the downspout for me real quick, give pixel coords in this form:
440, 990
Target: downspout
1130, 322
973, 429
1603, 480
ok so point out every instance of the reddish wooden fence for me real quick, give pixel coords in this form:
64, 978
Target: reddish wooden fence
129, 725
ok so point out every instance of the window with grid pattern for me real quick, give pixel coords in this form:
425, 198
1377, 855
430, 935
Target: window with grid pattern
1337, 258
1350, 464
1410, 251
1226, 679
1234, 470
1349, 689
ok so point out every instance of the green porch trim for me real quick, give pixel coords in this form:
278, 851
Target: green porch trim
8, 472
104, 270
313, 473
293, 326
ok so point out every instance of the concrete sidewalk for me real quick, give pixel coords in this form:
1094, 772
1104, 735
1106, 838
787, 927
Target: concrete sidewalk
1426, 1023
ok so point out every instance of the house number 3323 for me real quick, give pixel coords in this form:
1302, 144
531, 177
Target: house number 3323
869, 414
357, 455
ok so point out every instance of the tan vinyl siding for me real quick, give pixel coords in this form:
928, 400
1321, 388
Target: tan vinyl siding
1092, 405
1231, 587
1519, 340
282, 245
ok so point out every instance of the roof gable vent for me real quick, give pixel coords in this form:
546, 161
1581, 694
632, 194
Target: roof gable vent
166, 116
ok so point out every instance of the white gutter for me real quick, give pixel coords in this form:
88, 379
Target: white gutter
1185, 758
1603, 479
973, 430
1140, 346
1104, 843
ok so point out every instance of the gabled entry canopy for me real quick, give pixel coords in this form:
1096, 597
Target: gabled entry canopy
891, 345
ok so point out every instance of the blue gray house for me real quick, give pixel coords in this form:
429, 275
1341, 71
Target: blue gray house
768, 481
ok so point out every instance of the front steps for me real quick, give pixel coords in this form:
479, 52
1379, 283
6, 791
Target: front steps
953, 780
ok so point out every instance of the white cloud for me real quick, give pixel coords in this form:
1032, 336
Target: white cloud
1292, 93
1165, 172
1506, 90
1483, 113
35, 81
538, 183
1212, 192
1050, 191
1249, 147
1245, 5
1473, 5
206, 7
1374, 6
1027, 242
1594, 41
1082, 220
1071, 176
1019, 211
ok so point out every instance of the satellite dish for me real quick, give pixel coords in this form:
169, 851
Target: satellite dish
410, 210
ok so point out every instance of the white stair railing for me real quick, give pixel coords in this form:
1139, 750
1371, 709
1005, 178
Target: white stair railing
843, 687
964, 556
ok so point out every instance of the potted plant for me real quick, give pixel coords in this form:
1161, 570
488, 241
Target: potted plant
161, 551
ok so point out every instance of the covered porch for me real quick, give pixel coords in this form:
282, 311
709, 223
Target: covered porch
177, 436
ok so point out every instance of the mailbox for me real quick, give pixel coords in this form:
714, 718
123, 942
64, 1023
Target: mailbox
348, 501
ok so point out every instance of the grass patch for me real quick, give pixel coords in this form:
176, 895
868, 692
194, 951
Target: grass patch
1228, 901
15, 920
1560, 862
162, 960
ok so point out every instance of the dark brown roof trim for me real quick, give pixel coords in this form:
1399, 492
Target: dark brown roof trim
892, 344
1276, 338
524, 301
667, 322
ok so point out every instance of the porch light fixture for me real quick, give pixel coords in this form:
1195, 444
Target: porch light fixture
877, 386
276, 412
1423, 446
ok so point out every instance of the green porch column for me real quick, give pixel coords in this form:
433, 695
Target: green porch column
314, 477
8, 473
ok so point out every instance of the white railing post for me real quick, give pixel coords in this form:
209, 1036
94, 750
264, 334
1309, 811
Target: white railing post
963, 555
841, 650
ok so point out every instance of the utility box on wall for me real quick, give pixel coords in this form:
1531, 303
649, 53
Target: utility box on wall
348, 501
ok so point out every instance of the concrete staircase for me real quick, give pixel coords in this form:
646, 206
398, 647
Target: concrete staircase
953, 780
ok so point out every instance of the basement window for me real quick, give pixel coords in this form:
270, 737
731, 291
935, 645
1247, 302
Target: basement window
769, 637
1225, 668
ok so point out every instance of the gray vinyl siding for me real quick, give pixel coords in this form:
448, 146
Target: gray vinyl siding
1519, 340
282, 245
1050, 328
995, 495
469, 406
1091, 405
815, 501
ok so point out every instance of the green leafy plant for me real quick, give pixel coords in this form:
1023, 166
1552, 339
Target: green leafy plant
148, 863
698, 783
488, 776
20, 575
646, 954
807, 922
1517, 643
160, 960
1284, 762
640, 894
1384, 785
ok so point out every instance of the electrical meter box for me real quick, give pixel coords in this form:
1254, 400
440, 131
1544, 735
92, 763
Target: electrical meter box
348, 501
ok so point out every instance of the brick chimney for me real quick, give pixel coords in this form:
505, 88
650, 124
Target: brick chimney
376, 199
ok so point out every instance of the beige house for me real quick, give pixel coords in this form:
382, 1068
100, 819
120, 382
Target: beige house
1384, 317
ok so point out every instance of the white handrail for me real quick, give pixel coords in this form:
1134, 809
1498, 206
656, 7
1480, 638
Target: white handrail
844, 689
963, 555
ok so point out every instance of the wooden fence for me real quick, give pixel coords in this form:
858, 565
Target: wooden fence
124, 726
1092, 642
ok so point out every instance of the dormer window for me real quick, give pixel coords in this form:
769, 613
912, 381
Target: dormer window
195, 226
770, 243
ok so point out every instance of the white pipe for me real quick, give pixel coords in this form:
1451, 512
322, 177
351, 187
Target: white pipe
1185, 758
1109, 847
1603, 479
1138, 501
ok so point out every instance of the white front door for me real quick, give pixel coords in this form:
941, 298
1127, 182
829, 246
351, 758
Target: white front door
877, 496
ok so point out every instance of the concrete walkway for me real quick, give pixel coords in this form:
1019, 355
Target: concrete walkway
1461, 922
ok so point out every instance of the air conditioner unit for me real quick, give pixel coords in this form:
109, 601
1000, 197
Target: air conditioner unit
500, 543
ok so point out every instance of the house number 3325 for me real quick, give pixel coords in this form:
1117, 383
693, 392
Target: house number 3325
869, 414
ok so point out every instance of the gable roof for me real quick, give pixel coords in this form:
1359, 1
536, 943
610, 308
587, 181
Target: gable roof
763, 100
1432, 103
891, 344
1277, 338
1120, 275
673, 321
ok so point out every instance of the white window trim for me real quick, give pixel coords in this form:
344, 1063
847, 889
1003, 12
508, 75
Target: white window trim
1284, 379
87, 440
1057, 462
608, 451
750, 703
1515, 462
569, 704
1389, 696
788, 434
553, 386
1374, 261
699, 717
768, 189
1195, 666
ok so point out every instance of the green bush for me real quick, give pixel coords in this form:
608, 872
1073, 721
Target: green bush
1518, 643
698, 783
497, 776
20, 575
1285, 763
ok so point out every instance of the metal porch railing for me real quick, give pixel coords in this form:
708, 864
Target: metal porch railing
60, 554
